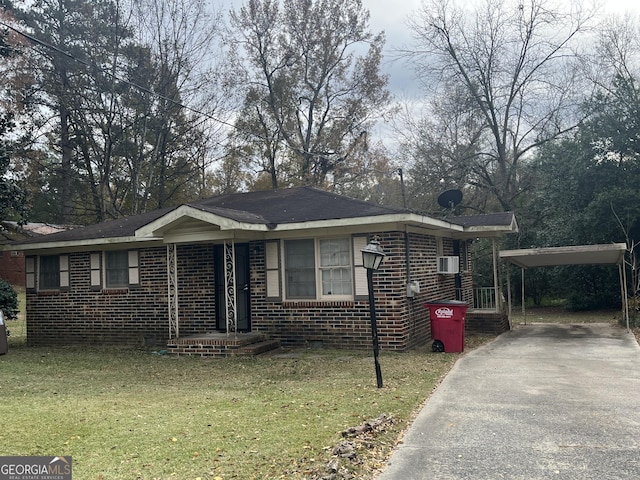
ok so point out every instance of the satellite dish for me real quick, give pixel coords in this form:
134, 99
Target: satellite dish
450, 199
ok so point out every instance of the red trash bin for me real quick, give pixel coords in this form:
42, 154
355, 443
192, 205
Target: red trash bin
447, 325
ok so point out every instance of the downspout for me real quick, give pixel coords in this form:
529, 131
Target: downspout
457, 277
407, 255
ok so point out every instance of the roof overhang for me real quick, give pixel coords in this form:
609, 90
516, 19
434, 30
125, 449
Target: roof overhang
187, 223
572, 255
109, 243
190, 224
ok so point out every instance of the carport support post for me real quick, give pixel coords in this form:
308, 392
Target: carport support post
524, 313
509, 293
623, 292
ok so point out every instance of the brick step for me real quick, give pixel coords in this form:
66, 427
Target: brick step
257, 348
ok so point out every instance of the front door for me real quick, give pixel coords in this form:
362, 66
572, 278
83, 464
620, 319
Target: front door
242, 288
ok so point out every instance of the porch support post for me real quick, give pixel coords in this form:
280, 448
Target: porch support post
496, 285
230, 286
172, 290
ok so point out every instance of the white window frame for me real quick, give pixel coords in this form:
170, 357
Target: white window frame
320, 269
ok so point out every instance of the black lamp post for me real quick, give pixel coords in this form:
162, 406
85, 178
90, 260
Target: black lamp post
372, 256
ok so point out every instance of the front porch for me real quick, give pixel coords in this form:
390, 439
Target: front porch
221, 345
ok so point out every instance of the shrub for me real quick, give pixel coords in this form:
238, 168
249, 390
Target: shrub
8, 300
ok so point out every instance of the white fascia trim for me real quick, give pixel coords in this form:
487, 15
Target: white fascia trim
490, 230
396, 218
80, 244
155, 228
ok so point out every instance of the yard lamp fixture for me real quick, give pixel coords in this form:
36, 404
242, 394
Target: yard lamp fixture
372, 256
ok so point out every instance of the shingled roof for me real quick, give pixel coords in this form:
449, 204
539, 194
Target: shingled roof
266, 210
291, 205
268, 207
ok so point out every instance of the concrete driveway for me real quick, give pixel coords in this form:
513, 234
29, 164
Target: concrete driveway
543, 401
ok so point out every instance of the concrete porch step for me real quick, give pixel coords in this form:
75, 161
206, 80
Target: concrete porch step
258, 348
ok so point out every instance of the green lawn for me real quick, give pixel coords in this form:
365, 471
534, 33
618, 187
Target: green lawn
131, 414
558, 314
126, 414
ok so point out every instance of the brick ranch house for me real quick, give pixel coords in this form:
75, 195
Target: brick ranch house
211, 276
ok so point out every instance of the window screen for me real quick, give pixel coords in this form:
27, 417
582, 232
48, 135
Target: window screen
300, 269
49, 272
335, 266
117, 269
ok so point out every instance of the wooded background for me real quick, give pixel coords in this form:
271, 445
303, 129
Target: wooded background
116, 107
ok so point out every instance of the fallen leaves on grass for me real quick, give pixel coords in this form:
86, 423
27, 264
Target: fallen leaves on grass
361, 441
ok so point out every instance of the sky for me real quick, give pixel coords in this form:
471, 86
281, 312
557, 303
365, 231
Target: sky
393, 20
391, 16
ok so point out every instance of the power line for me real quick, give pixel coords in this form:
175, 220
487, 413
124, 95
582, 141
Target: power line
47, 45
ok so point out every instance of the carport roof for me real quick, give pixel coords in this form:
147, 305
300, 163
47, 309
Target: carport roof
612, 253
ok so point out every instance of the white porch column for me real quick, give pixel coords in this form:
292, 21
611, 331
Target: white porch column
230, 286
172, 290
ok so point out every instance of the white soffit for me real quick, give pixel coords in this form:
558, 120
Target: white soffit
573, 255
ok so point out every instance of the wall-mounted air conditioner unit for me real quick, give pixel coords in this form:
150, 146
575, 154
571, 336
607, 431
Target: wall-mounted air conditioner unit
448, 264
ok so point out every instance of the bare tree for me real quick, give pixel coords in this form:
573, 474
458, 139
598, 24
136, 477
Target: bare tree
191, 90
516, 63
314, 84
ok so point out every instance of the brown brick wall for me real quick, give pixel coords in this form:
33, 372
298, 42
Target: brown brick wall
402, 322
81, 315
12, 267
196, 289
486, 323
139, 315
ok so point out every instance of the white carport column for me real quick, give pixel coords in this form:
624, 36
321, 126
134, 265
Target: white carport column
622, 272
230, 286
172, 289
509, 313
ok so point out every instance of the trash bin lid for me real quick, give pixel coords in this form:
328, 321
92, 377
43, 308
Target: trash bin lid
446, 302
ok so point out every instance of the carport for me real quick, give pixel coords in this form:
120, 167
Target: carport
609, 254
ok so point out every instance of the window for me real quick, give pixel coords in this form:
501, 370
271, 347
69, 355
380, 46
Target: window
117, 269
335, 266
300, 268
318, 268
49, 272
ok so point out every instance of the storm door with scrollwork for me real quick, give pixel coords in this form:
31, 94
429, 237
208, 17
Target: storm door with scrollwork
236, 303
